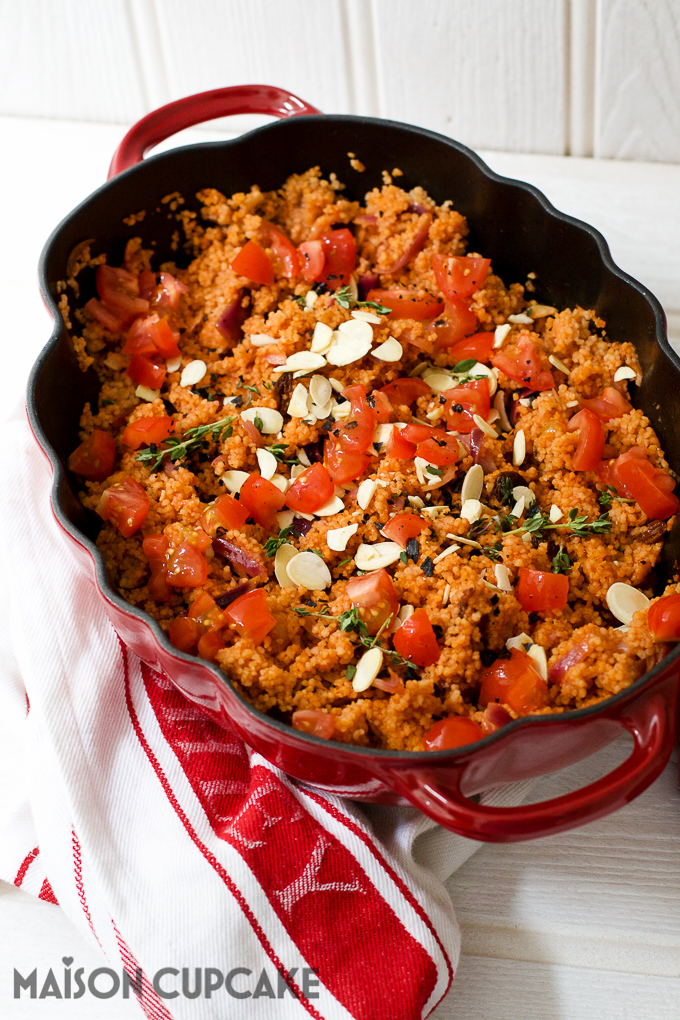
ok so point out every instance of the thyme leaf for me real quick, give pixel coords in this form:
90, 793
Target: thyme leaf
272, 545
344, 298
178, 449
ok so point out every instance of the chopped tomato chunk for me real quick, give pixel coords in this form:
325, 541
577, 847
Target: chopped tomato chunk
398, 447
355, 433
514, 682
375, 597
339, 257
94, 458
524, 366
540, 591
286, 261
146, 373
664, 618
183, 634
456, 731
315, 722
463, 402
151, 336
310, 490
148, 430
119, 290
206, 612
457, 322
478, 346
402, 527
253, 262
407, 304
167, 294
155, 549
262, 500
250, 615
433, 445
226, 512
107, 316
650, 487
343, 466
312, 260
416, 640
125, 504
611, 404
459, 277
186, 566
591, 437
405, 391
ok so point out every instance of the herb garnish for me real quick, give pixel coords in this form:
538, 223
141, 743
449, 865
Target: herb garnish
344, 298
272, 545
605, 498
278, 450
178, 449
350, 621
561, 562
578, 524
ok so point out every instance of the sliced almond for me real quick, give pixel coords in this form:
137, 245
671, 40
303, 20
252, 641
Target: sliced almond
296, 471
374, 557
173, 364
309, 571
234, 479
322, 338
322, 412
270, 421
522, 643
624, 373
473, 483
526, 537
559, 365
488, 373
471, 510
403, 615
519, 448
310, 298
555, 514
285, 518
445, 596
382, 434
520, 491
281, 482
541, 311
365, 315
303, 361
537, 653
420, 466
297, 408
416, 501
303, 458
145, 393
320, 389
366, 492
624, 601
368, 668
518, 508
345, 349
500, 334
499, 405
391, 350
193, 373
502, 577
332, 507
446, 552
262, 339
337, 538
439, 382
521, 319
487, 429
284, 554
336, 384
358, 330
267, 462
341, 410
466, 541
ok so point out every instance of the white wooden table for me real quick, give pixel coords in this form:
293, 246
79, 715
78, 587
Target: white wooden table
574, 927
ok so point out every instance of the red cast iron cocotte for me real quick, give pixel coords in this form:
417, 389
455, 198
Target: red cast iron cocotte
521, 232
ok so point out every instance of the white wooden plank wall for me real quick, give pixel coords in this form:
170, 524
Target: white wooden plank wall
564, 77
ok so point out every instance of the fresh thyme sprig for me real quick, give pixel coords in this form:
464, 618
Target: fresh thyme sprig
344, 298
578, 524
178, 449
351, 621
272, 545
278, 450
608, 494
560, 562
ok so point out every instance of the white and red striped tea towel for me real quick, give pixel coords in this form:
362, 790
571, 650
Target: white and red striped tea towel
171, 845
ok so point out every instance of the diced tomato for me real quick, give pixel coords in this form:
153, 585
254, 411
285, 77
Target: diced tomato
402, 527
119, 290
524, 366
183, 634
663, 618
186, 566
514, 682
151, 336
314, 722
339, 257
375, 597
148, 430
398, 447
155, 549
250, 615
167, 294
540, 591
405, 391
147, 284
478, 346
407, 304
611, 404
343, 466
457, 322
286, 261
384, 412
649, 486
312, 260
206, 612
126, 504
262, 500
94, 458
310, 490
459, 277
591, 437
146, 373
253, 262
209, 645
357, 430
456, 731
462, 402
114, 321
433, 445
416, 640
226, 512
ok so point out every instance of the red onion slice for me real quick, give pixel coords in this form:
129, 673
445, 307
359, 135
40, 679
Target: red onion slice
414, 247
366, 283
238, 557
230, 596
232, 318
575, 655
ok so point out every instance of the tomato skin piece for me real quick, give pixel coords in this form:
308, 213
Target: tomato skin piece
186, 566
114, 321
342, 465
225, 512
451, 328
183, 634
402, 527
416, 640
314, 722
311, 490
478, 346
433, 445
209, 645
456, 731
262, 500
125, 504
250, 615
514, 682
151, 336
286, 261
540, 591
459, 276
472, 398
407, 304
155, 548
146, 373
94, 458
649, 486
405, 391
524, 366
383, 410
253, 262
398, 447
591, 437
663, 618
357, 430
119, 290
610, 404
148, 430
167, 294
339, 253
375, 597
312, 260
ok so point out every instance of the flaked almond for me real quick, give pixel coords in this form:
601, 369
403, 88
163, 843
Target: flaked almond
345, 349
446, 552
439, 382
173, 364
310, 298
520, 491
303, 361
234, 479
336, 384
518, 508
471, 510
382, 434
403, 615
262, 339
522, 642
145, 393
555, 514
390, 350
367, 670
297, 470
487, 429
502, 577
519, 448
321, 412
332, 507
282, 483
193, 373
358, 330
521, 319
284, 519
363, 313
366, 492
500, 334
297, 408
265, 419
320, 389
624, 601
416, 501
267, 462
303, 457
537, 653
284, 554
488, 373
322, 338
341, 410
337, 538
473, 483
374, 557
624, 373
559, 365
307, 570
540, 311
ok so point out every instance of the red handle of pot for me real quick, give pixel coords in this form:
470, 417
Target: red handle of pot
438, 794
192, 110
